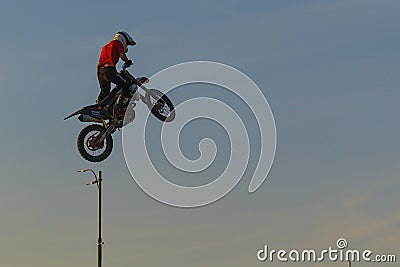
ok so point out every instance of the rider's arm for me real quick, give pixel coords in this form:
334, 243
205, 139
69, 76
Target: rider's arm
123, 56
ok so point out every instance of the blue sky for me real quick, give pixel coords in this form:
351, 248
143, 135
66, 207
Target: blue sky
329, 70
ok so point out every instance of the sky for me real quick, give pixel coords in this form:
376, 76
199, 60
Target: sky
329, 70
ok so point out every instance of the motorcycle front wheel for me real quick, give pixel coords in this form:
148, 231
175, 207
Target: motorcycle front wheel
89, 147
160, 105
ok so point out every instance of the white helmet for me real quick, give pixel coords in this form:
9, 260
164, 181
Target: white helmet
125, 39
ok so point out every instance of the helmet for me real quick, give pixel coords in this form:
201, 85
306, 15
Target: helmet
125, 39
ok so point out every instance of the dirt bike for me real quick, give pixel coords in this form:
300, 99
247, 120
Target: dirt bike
95, 141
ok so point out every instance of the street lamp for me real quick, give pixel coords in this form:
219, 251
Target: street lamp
100, 242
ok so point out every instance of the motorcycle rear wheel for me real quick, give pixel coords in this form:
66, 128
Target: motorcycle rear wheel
88, 146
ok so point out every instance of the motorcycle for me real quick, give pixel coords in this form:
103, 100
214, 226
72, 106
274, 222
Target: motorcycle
95, 141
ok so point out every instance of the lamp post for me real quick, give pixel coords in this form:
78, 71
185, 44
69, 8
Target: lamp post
100, 242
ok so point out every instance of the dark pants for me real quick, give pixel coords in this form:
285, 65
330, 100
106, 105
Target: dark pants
106, 76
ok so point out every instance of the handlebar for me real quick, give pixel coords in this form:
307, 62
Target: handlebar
140, 81
127, 64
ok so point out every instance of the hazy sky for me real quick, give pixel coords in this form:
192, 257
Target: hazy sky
329, 70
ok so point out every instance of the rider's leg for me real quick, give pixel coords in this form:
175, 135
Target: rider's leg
105, 84
113, 76
116, 78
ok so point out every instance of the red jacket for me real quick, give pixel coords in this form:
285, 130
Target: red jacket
110, 53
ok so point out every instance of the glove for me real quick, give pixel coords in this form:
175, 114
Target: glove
128, 64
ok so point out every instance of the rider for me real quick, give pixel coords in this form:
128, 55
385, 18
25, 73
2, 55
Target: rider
106, 68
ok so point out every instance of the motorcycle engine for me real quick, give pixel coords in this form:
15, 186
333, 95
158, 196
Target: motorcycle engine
125, 112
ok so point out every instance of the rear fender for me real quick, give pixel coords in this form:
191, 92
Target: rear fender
89, 110
74, 114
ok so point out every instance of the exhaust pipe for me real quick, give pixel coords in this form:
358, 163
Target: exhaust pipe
87, 118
